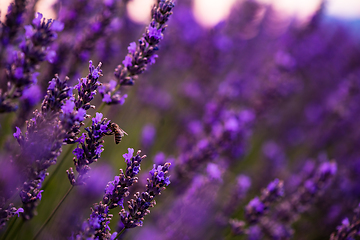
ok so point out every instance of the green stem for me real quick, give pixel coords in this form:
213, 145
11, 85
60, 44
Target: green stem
16, 232
53, 212
9, 228
58, 167
101, 107
121, 232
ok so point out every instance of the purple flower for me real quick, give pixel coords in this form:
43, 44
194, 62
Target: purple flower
345, 222
112, 85
310, 186
57, 26
18, 211
113, 236
155, 33
348, 230
32, 94
157, 182
243, 183
19, 73
255, 233
132, 48
34, 77
29, 31
52, 84
17, 134
81, 81
38, 196
152, 59
82, 138
89, 149
96, 74
110, 187
37, 20
121, 101
159, 173
109, 3
147, 45
231, 124
128, 155
115, 192
97, 118
274, 187
80, 115
78, 152
50, 56
255, 204
99, 150
127, 61
107, 98
68, 107
328, 168
213, 171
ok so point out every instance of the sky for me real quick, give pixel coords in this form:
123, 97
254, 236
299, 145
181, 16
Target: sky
210, 12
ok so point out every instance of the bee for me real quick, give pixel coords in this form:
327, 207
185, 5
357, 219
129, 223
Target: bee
117, 131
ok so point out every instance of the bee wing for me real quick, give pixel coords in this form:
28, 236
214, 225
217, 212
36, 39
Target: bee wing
122, 132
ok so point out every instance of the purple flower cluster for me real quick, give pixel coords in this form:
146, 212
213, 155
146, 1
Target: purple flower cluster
347, 229
86, 91
257, 115
138, 207
277, 223
6, 212
89, 148
41, 144
21, 63
62, 113
97, 226
259, 206
141, 55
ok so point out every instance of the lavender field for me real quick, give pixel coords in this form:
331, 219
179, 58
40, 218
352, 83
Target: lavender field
110, 129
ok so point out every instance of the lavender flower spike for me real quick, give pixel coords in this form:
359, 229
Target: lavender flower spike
257, 207
41, 144
21, 66
6, 212
59, 120
118, 189
86, 91
348, 230
89, 148
97, 226
14, 19
139, 57
140, 204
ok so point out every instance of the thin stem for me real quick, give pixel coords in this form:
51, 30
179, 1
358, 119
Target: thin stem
121, 232
9, 229
58, 167
53, 212
16, 232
